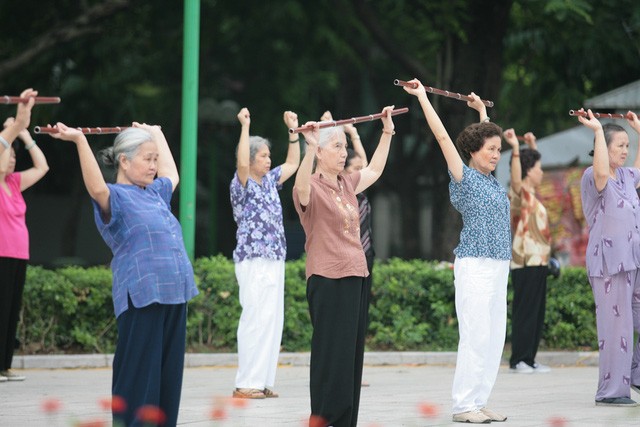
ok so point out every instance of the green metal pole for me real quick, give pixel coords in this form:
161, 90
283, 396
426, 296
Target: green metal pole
189, 132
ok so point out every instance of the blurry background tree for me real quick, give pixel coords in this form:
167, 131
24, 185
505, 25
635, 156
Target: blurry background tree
116, 61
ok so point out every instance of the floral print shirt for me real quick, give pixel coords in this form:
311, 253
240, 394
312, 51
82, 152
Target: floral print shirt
258, 212
484, 206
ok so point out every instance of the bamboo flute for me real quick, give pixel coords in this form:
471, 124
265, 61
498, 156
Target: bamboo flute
38, 99
353, 120
437, 91
90, 131
600, 115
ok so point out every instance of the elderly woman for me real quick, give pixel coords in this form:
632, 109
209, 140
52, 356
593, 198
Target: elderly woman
152, 275
336, 268
610, 205
259, 256
530, 255
481, 267
14, 235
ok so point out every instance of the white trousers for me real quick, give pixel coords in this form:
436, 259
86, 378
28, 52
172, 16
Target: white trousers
481, 307
261, 283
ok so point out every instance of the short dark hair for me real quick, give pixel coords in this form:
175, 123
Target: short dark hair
472, 138
528, 159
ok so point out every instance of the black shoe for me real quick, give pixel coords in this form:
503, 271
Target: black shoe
635, 388
616, 401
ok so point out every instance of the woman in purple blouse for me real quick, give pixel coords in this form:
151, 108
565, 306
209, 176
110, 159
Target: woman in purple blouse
152, 274
612, 209
259, 256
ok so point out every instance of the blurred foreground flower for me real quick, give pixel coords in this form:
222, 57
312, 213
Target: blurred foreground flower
151, 414
428, 410
557, 422
51, 406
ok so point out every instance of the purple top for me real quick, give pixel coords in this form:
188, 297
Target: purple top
150, 263
613, 217
258, 212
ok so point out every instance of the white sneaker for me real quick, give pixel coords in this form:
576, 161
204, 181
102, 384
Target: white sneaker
522, 368
3, 379
541, 369
12, 376
473, 417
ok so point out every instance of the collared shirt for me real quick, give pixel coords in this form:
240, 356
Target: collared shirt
484, 206
14, 236
531, 233
331, 223
150, 263
258, 212
613, 218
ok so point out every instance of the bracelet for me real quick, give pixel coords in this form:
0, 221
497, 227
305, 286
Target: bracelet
30, 146
486, 120
515, 155
293, 142
4, 142
393, 132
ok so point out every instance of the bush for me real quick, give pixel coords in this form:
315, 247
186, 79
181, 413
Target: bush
412, 308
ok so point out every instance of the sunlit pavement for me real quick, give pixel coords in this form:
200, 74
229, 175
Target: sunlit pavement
406, 389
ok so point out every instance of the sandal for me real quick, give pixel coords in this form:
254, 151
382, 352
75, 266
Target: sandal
248, 393
269, 393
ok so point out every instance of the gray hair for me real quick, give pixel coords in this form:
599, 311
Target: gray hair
325, 135
255, 144
127, 142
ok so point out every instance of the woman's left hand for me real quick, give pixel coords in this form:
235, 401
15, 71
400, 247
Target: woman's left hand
387, 121
633, 120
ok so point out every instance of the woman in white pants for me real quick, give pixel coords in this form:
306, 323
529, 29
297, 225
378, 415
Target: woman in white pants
259, 256
481, 266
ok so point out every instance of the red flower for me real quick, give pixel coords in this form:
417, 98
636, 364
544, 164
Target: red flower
317, 421
218, 414
51, 406
557, 422
151, 414
428, 410
118, 405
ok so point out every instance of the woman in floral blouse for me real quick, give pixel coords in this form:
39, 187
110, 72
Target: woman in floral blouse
481, 266
259, 256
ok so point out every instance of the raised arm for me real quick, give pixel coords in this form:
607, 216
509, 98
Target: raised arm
290, 166
302, 183
166, 164
40, 167
91, 173
530, 140
516, 167
372, 172
634, 122
22, 120
243, 161
600, 153
358, 148
451, 155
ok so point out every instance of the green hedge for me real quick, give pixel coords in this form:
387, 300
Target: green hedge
412, 308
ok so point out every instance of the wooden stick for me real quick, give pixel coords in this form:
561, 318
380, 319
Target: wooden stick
98, 130
39, 99
600, 115
353, 120
446, 93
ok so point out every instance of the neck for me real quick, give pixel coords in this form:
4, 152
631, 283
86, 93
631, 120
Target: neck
528, 186
256, 178
331, 176
473, 165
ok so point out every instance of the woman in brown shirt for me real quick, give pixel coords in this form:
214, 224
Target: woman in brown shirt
336, 268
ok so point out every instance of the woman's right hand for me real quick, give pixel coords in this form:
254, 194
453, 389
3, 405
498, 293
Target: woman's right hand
591, 122
66, 133
244, 117
634, 122
312, 134
510, 137
418, 91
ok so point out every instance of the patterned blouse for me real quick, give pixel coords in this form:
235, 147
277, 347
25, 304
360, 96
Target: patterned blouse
258, 212
531, 233
613, 217
484, 206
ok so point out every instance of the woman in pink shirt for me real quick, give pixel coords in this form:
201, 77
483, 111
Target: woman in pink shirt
336, 269
14, 237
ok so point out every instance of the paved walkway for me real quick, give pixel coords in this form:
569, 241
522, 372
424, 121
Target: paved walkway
406, 389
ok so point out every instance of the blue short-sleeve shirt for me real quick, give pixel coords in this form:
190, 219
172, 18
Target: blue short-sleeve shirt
258, 212
484, 206
150, 263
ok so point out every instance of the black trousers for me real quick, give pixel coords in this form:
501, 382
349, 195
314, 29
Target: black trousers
527, 314
13, 273
338, 309
149, 361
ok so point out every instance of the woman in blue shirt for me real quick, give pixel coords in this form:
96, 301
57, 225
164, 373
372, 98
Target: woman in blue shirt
481, 266
152, 275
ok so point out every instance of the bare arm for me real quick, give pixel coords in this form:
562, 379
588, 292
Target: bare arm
243, 162
91, 173
373, 171
290, 166
166, 164
21, 122
634, 122
451, 155
516, 167
358, 148
302, 183
600, 153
